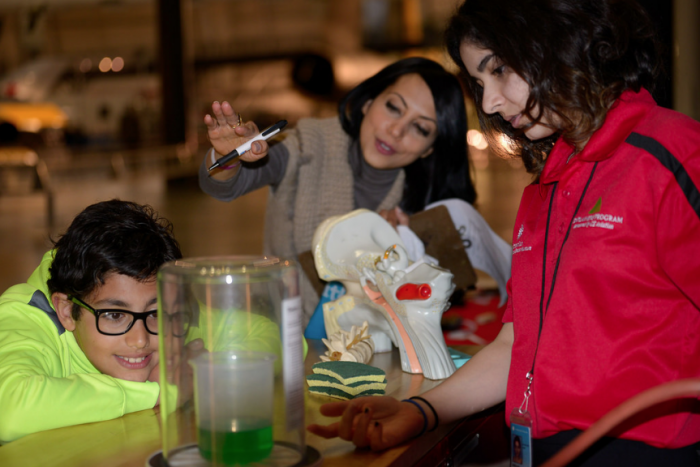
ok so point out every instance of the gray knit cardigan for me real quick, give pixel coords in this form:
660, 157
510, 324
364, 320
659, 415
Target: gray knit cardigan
317, 184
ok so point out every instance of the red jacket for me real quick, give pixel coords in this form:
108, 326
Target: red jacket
625, 312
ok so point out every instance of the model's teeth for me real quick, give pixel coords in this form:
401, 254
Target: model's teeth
388, 148
133, 360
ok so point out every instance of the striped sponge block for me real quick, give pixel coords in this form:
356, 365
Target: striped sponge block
349, 372
340, 394
346, 380
352, 388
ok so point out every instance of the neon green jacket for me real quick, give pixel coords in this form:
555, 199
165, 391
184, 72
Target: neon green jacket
46, 381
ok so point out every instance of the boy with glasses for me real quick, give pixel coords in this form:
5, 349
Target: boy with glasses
78, 341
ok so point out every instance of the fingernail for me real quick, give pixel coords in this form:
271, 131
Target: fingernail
256, 147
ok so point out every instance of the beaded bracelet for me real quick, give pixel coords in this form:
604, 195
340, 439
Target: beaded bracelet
425, 417
430, 406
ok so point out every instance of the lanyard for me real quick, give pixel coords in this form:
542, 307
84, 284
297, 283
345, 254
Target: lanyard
543, 308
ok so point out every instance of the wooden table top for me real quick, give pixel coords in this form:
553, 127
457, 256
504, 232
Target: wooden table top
130, 440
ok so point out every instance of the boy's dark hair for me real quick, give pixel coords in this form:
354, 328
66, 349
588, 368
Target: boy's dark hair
111, 237
576, 56
445, 172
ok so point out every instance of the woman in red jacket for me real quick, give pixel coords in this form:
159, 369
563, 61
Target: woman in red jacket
604, 300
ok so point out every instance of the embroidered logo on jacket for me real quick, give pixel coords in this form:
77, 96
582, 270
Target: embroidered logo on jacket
518, 245
597, 206
597, 219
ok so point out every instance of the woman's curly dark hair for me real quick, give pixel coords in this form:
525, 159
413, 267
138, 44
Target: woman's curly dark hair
576, 56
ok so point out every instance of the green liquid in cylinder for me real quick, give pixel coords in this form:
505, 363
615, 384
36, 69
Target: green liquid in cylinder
251, 442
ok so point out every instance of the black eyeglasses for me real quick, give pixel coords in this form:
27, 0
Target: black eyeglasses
118, 322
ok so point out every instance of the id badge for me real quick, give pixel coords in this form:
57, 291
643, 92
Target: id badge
520, 438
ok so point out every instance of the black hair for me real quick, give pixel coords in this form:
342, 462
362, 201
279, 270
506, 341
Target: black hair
445, 172
111, 237
576, 56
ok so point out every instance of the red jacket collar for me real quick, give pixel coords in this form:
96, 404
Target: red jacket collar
621, 119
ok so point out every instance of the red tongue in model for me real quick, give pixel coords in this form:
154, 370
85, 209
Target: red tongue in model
414, 292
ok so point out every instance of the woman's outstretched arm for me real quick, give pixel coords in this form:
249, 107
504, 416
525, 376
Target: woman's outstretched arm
384, 422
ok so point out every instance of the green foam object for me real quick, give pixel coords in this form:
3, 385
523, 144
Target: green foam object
340, 394
349, 372
352, 388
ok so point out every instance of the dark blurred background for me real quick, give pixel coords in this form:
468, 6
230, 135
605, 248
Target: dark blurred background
102, 99
133, 73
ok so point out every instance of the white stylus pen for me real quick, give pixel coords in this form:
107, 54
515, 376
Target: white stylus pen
245, 147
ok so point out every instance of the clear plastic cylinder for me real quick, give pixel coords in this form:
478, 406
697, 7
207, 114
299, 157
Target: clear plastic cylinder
210, 309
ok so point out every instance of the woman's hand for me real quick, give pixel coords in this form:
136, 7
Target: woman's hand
227, 132
375, 422
395, 216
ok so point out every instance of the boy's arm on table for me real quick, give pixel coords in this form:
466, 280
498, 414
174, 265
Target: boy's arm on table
33, 399
384, 422
239, 330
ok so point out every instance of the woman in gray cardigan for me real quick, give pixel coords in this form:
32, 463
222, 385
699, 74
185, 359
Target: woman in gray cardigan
399, 141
